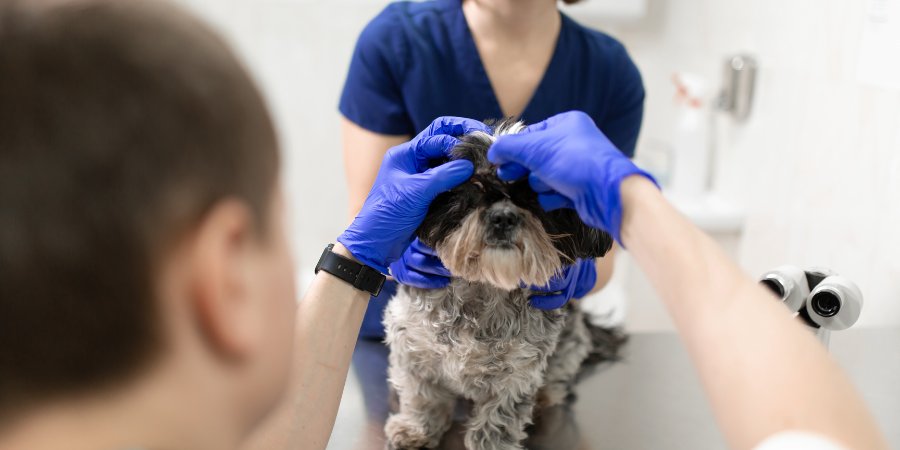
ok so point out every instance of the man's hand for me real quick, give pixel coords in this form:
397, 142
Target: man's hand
404, 189
572, 164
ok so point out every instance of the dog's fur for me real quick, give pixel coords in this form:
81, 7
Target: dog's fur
479, 338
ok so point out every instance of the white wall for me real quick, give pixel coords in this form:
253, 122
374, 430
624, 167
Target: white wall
817, 167
299, 51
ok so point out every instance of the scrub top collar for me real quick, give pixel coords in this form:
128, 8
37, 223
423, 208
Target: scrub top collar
473, 67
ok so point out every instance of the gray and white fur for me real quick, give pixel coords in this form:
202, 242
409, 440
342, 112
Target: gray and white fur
479, 338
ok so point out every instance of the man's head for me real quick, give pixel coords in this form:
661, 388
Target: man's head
138, 205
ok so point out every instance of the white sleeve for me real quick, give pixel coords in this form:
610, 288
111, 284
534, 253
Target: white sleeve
798, 440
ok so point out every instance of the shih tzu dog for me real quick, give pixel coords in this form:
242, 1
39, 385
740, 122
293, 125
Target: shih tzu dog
479, 338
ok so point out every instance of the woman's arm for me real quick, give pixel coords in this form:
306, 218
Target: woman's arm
763, 372
363, 152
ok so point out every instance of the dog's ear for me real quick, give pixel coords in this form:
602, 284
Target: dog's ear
434, 227
592, 242
579, 240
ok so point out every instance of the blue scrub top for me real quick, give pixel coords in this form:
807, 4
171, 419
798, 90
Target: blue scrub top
417, 61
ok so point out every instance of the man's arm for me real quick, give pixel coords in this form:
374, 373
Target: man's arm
762, 370
329, 317
328, 321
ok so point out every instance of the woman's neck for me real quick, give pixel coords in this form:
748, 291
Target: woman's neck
505, 20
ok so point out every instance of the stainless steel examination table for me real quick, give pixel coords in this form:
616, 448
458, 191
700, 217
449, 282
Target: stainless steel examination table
652, 399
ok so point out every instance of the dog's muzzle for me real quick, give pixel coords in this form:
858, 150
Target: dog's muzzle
502, 221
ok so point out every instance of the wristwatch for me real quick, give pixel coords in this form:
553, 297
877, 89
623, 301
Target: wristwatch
360, 276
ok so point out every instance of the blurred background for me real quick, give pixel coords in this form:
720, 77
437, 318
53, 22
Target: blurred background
802, 163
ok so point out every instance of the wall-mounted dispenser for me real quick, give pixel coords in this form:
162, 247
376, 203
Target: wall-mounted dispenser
738, 86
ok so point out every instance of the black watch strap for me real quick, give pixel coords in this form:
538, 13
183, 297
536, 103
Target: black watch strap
360, 276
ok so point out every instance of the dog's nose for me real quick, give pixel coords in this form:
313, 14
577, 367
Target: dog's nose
503, 221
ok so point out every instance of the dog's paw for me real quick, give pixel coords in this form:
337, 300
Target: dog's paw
480, 439
405, 434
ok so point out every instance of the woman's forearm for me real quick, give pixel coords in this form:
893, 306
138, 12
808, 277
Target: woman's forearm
328, 321
762, 370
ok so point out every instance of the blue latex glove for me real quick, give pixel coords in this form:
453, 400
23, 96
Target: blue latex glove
420, 267
403, 190
575, 282
572, 164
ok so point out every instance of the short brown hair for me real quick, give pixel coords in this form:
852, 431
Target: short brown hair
121, 124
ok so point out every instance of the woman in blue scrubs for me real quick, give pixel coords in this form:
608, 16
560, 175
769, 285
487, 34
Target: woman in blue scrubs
485, 59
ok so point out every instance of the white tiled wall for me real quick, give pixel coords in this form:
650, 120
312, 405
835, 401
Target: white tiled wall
817, 166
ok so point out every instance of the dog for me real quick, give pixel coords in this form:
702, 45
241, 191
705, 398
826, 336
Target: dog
479, 338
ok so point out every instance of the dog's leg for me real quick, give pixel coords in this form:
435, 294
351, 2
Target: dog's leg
498, 423
426, 411
573, 347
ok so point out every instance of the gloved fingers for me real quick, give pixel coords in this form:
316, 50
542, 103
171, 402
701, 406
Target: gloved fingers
414, 278
454, 126
528, 147
556, 285
425, 263
419, 246
538, 185
586, 278
556, 300
559, 282
526, 150
430, 148
421, 280
554, 201
444, 177
511, 172
552, 121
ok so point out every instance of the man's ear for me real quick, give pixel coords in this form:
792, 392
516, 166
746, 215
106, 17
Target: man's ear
221, 253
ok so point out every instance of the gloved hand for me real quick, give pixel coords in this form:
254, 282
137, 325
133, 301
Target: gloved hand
572, 164
420, 267
403, 190
575, 282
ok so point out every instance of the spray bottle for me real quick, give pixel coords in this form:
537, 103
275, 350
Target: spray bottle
690, 139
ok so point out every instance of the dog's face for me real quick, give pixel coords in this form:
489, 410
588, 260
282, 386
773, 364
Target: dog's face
487, 230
